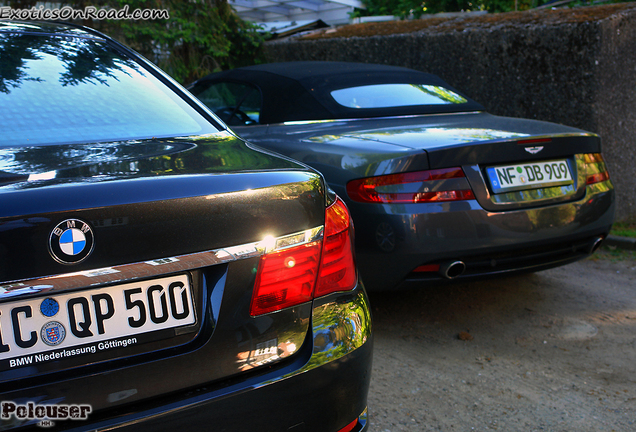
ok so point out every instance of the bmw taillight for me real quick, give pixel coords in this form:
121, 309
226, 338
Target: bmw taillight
337, 266
350, 426
412, 187
595, 168
298, 274
286, 278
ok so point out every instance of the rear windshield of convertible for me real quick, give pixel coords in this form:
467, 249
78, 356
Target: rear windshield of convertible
61, 89
395, 95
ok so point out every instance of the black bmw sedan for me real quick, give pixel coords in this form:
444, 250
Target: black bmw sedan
157, 272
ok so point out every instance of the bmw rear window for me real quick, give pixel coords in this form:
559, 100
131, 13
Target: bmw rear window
56, 90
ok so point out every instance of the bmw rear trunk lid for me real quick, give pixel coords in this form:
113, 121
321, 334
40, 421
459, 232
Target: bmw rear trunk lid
164, 230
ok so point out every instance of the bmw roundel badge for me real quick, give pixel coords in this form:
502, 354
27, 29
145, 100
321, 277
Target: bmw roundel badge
71, 241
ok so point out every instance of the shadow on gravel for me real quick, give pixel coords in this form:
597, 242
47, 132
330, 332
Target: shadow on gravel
457, 303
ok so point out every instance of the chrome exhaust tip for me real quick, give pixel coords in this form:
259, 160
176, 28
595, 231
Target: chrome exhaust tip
595, 244
452, 269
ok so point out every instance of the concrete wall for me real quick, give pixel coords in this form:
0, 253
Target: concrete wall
578, 70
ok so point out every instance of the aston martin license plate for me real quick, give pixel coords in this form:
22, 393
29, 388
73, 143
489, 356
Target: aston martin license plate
529, 176
65, 325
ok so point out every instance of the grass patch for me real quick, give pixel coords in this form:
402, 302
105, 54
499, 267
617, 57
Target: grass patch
613, 254
624, 229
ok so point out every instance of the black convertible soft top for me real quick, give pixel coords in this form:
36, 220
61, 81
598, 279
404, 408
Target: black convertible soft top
294, 91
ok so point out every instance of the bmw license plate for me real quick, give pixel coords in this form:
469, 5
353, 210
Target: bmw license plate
50, 328
534, 175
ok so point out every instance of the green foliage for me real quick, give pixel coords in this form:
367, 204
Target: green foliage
625, 228
200, 37
614, 254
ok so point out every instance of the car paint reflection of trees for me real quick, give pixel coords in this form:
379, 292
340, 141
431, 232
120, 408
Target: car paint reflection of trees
85, 60
442, 93
73, 83
431, 134
339, 328
383, 160
260, 353
108, 161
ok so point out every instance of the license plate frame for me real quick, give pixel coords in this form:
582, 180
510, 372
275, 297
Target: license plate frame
529, 175
84, 325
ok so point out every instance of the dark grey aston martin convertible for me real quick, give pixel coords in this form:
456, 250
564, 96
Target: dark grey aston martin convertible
438, 188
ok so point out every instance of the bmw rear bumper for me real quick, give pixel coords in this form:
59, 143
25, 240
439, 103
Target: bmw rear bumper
322, 388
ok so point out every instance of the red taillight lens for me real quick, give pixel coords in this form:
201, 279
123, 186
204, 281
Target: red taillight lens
595, 168
399, 188
534, 141
337, 267
298, 274
285, 278
427, 268
350, 426
597, 178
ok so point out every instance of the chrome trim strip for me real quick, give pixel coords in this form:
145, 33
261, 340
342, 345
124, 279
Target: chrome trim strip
154, 268
520, 140
355, 119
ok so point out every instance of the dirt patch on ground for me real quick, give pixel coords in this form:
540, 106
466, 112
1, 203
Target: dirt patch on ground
550, 351
450, 24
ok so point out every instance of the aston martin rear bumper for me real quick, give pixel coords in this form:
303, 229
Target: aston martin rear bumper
428, 236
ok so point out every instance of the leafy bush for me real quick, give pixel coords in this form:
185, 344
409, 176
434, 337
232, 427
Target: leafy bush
200, 37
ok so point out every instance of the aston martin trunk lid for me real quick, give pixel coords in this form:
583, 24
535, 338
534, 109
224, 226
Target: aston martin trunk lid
480, 133
501, 157
510, 163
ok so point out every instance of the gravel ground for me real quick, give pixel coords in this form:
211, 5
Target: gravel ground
549, 351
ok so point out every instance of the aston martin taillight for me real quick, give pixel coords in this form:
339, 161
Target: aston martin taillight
411, 187
595, 168
298, 274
